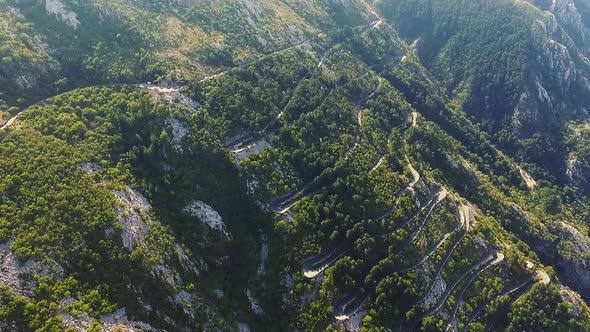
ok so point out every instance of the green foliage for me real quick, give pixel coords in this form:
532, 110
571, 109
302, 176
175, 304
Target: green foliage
553, 315
338, 115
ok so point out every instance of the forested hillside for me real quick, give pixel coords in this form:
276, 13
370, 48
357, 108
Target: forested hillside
340, 165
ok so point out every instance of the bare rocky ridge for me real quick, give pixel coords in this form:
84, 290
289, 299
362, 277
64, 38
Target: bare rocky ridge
57, 8
132, 214
573, 258
528, 179
114, 322
208, 216
17, 275
575, 173
569, 16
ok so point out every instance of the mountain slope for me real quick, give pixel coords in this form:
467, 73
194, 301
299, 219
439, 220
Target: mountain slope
302, 166
522, 76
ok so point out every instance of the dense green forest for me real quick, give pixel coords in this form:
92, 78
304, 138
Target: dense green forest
284, 165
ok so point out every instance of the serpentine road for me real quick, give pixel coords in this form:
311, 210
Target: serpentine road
143, 85
489, 302
315, 265
498, 259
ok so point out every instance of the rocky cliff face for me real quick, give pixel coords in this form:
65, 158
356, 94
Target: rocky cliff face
551, 74
575, 173
574, 258
572, 16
